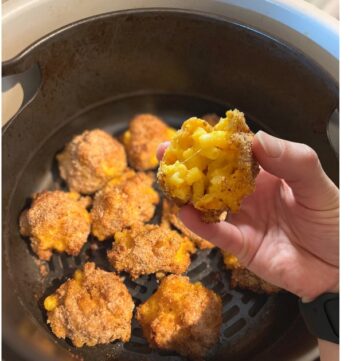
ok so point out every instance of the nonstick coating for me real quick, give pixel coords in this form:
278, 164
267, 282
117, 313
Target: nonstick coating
191, 64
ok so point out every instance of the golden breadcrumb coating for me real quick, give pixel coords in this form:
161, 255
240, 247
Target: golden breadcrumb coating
90, 160
146, 248
182, 317
141, 140
124, 201
169, 217
56, 221
211, 167
242, 277
94, 307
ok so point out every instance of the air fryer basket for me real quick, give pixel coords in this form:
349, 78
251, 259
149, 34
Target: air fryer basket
100, 72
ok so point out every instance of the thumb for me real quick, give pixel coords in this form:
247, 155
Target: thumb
223, 234
299, 166
161, 150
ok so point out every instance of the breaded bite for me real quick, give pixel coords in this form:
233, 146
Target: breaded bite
169, 217
141, 140
211, 167
182, 317
94, 307
243, 278
147, 248
90, 160
56, 221
124, 201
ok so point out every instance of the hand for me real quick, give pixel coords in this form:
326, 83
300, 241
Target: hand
287, 231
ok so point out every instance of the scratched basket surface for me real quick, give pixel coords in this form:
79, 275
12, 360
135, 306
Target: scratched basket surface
251, 322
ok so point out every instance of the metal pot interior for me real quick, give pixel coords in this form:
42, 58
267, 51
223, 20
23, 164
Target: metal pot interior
100, 72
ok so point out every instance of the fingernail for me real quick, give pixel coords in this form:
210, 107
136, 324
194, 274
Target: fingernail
161, 150
272, 146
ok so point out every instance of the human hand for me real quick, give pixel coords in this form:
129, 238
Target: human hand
287, 231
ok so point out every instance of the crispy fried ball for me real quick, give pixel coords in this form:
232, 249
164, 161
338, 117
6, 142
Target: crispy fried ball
211, 167
90, 160
181, 316
145, 133
170, 217
242, 277
124, 201
146, 248
94, 307
56, 221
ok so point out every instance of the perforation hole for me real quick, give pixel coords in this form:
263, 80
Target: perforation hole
137, 300
194, 257
247, 296
210, 279
52, 265
56, 263
235, 328
68, 264
230, 313
257, 306
77, 261
226, 299
137, 332
197, 270
218, 287
213, 253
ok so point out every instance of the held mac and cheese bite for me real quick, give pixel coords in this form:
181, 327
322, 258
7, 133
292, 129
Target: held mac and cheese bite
211, 167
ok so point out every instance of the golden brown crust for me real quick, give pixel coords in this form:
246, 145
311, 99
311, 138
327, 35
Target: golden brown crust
213, 216
170, 216
145, 133
147, 248
123, 202
57, 221
181, 316
97, 309
246, 160
90, 160
243, 278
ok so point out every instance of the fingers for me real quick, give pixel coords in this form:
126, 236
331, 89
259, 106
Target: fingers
223, 234
299, 166
161, 150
